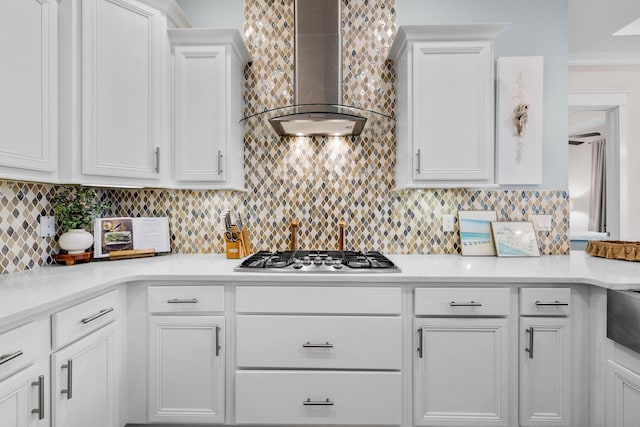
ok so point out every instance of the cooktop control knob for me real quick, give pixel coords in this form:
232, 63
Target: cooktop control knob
337, 265
306, 261
298, 264
317, 261
328, 261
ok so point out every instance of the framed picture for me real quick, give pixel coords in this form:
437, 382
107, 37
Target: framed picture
515, 239
475, 232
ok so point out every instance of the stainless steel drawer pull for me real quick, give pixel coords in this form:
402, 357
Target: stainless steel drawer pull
310, 402
420, 343
419, 162
7, 357
97, 315
465, 304
183, 301
219, 162
556, 302
69, 390
40, 409
157, 153
325, 345
530, 349
218, 347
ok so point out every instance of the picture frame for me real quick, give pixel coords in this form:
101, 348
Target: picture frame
515, 239
475, 232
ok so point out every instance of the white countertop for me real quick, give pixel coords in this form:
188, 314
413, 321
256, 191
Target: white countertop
41, 289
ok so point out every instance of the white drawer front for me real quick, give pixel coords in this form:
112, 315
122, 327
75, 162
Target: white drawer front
315, 300
83, 318
462, 302
185, 299
19, 346
545, 301
332, 342
279, 397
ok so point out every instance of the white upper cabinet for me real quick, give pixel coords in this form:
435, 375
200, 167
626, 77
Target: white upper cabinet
208, 77
28, 84
444, 105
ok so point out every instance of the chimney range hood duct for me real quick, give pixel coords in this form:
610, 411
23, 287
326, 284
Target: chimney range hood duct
318, 76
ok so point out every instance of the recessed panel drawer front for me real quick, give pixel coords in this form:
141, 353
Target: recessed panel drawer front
19, 346
83, 318
185, 299
462, 302
333, 342
545, 301
294, 397
317, 300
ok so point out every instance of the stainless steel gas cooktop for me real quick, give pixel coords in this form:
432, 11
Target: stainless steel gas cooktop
324, 261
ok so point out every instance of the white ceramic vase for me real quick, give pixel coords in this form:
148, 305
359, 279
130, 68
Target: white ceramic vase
76, 241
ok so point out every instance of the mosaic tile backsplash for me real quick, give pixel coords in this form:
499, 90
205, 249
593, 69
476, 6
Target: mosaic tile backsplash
316, 181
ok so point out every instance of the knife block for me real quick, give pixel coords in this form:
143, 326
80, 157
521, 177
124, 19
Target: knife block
234, 249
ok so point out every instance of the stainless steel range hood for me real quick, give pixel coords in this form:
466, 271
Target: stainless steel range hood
318, 75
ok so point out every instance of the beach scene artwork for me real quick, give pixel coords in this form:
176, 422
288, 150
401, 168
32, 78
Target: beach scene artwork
475, 232
515, 239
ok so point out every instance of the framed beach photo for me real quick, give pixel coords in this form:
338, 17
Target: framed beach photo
475, 232
513, 239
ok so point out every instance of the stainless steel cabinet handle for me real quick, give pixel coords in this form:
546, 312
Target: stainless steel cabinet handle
97, 315
218, 347
10, 356
556, 302
157, 168
418, 163
69, 390
183, 301
219, 162
465, 304
310, 345
530, 349
310, 402
40, 409
420, 343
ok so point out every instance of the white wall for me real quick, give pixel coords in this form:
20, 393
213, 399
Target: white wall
619, 79
538, 28
579, 186
214, 13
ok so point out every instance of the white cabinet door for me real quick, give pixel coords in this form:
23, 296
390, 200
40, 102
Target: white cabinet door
622, 396
22, 399
186, 369
453, 111
200, 113
122, 97
84, 382
461, 372
545, 368
28, 84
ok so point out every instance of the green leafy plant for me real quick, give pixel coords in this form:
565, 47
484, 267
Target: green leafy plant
77, 207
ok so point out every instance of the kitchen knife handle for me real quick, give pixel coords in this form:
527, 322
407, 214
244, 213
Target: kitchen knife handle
530, 349
310, 345
419, 162
96, 316
69, 390
556, 302
310, 402
7, 357
40, 409
219, 162
218, 347
465, 304
157, 168
420, 343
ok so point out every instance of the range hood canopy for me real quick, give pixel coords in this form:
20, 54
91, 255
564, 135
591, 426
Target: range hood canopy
318, 108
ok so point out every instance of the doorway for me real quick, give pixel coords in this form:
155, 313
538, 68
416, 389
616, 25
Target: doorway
603, 113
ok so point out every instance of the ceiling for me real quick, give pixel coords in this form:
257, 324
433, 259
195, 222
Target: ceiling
591, 25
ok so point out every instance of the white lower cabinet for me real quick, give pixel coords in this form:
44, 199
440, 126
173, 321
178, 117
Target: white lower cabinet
328, 397
622, 396
85, 381
544, 372
186, 369
22, 399
461, 372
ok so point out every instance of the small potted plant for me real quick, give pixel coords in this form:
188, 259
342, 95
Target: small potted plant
75, 209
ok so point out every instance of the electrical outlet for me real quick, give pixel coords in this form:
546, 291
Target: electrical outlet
541, 222
447, 223
47, 226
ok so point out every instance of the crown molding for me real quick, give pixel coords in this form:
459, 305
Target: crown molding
603, 59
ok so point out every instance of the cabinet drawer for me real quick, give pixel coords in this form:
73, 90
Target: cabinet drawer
290, 397
332, 342
83, 318
19, 346
462, 302
313, 300
545, 301
185, 299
